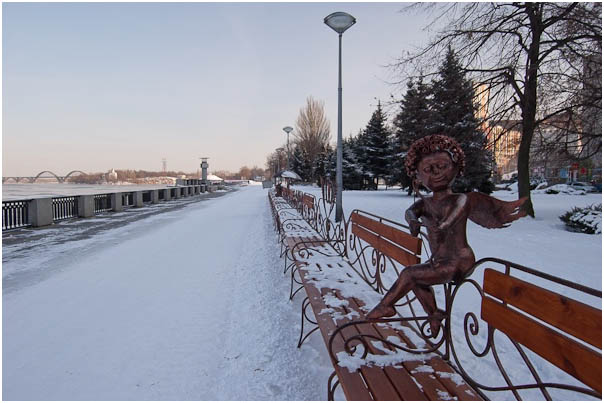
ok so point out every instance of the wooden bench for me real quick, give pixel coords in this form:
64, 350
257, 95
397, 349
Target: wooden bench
397, 359
563, 331
559, 331
342, 288
295, 225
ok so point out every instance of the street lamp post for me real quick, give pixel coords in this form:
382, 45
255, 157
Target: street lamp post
287, 129
279, 151
339, 22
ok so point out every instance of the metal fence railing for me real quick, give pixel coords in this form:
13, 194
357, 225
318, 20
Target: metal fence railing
15, 214
102, 203
64, 207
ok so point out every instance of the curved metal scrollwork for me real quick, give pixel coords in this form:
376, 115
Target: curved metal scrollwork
525, 380
466, 338
463, 337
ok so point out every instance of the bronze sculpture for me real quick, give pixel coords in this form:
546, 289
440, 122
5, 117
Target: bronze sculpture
435, 161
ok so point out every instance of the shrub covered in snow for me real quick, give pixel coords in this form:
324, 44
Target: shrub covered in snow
586, 219
561, 188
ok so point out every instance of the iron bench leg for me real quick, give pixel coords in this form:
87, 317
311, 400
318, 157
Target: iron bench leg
331, 387
305, 304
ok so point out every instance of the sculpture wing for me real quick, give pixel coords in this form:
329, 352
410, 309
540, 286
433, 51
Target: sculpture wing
490, 212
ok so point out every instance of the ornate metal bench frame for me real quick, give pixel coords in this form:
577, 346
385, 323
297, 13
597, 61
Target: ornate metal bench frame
479, 337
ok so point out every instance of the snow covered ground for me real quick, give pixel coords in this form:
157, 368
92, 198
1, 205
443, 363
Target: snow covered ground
192, 304
189, 306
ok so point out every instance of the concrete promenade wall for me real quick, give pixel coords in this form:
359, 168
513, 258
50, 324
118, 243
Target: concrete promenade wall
41, 211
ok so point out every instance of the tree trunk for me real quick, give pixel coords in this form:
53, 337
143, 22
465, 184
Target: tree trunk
529, 106
524, 188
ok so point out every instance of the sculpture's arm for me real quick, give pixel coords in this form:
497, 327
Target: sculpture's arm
412, 215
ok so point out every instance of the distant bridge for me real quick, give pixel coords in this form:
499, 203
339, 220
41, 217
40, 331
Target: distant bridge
32, 179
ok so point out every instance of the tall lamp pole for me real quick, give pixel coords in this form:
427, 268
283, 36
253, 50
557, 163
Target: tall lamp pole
287, 129
279, 151
339, 22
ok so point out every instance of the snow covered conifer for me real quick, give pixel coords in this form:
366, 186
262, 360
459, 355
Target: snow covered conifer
376, 147
352, 170
413, 122
301, 164
453, 114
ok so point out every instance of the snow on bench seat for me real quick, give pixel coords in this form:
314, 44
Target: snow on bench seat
338, 296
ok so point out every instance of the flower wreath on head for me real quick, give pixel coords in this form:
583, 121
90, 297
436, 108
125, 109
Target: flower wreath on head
430, 145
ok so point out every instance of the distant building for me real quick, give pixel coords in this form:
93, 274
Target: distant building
504, 140
112, 175
558, 149
213, 179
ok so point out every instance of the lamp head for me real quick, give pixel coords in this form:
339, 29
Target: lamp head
339, 21
288, 129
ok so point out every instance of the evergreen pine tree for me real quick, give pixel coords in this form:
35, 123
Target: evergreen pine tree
394, 163
301, 164
321, 166
413, 122
453, 114
296, 161
376, 147
352, 171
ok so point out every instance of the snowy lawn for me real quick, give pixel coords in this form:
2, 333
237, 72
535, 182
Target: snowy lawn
188, 305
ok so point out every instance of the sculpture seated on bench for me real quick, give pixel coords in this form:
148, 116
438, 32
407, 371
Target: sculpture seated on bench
435, 161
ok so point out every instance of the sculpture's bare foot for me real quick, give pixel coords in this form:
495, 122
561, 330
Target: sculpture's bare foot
435, 322
381, 311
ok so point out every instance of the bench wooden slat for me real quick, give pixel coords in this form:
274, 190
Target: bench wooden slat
462, 391
352, 383
383, 383
401, 378
308, 201
381, 387
373, 377
367, 379
395, 379
565, 353
431, 382
405, 379
386, 247
409, 242
576, 318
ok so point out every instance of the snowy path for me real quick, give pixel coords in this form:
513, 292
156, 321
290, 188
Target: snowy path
194, 309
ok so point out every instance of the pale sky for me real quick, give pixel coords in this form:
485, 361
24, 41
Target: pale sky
95, 86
